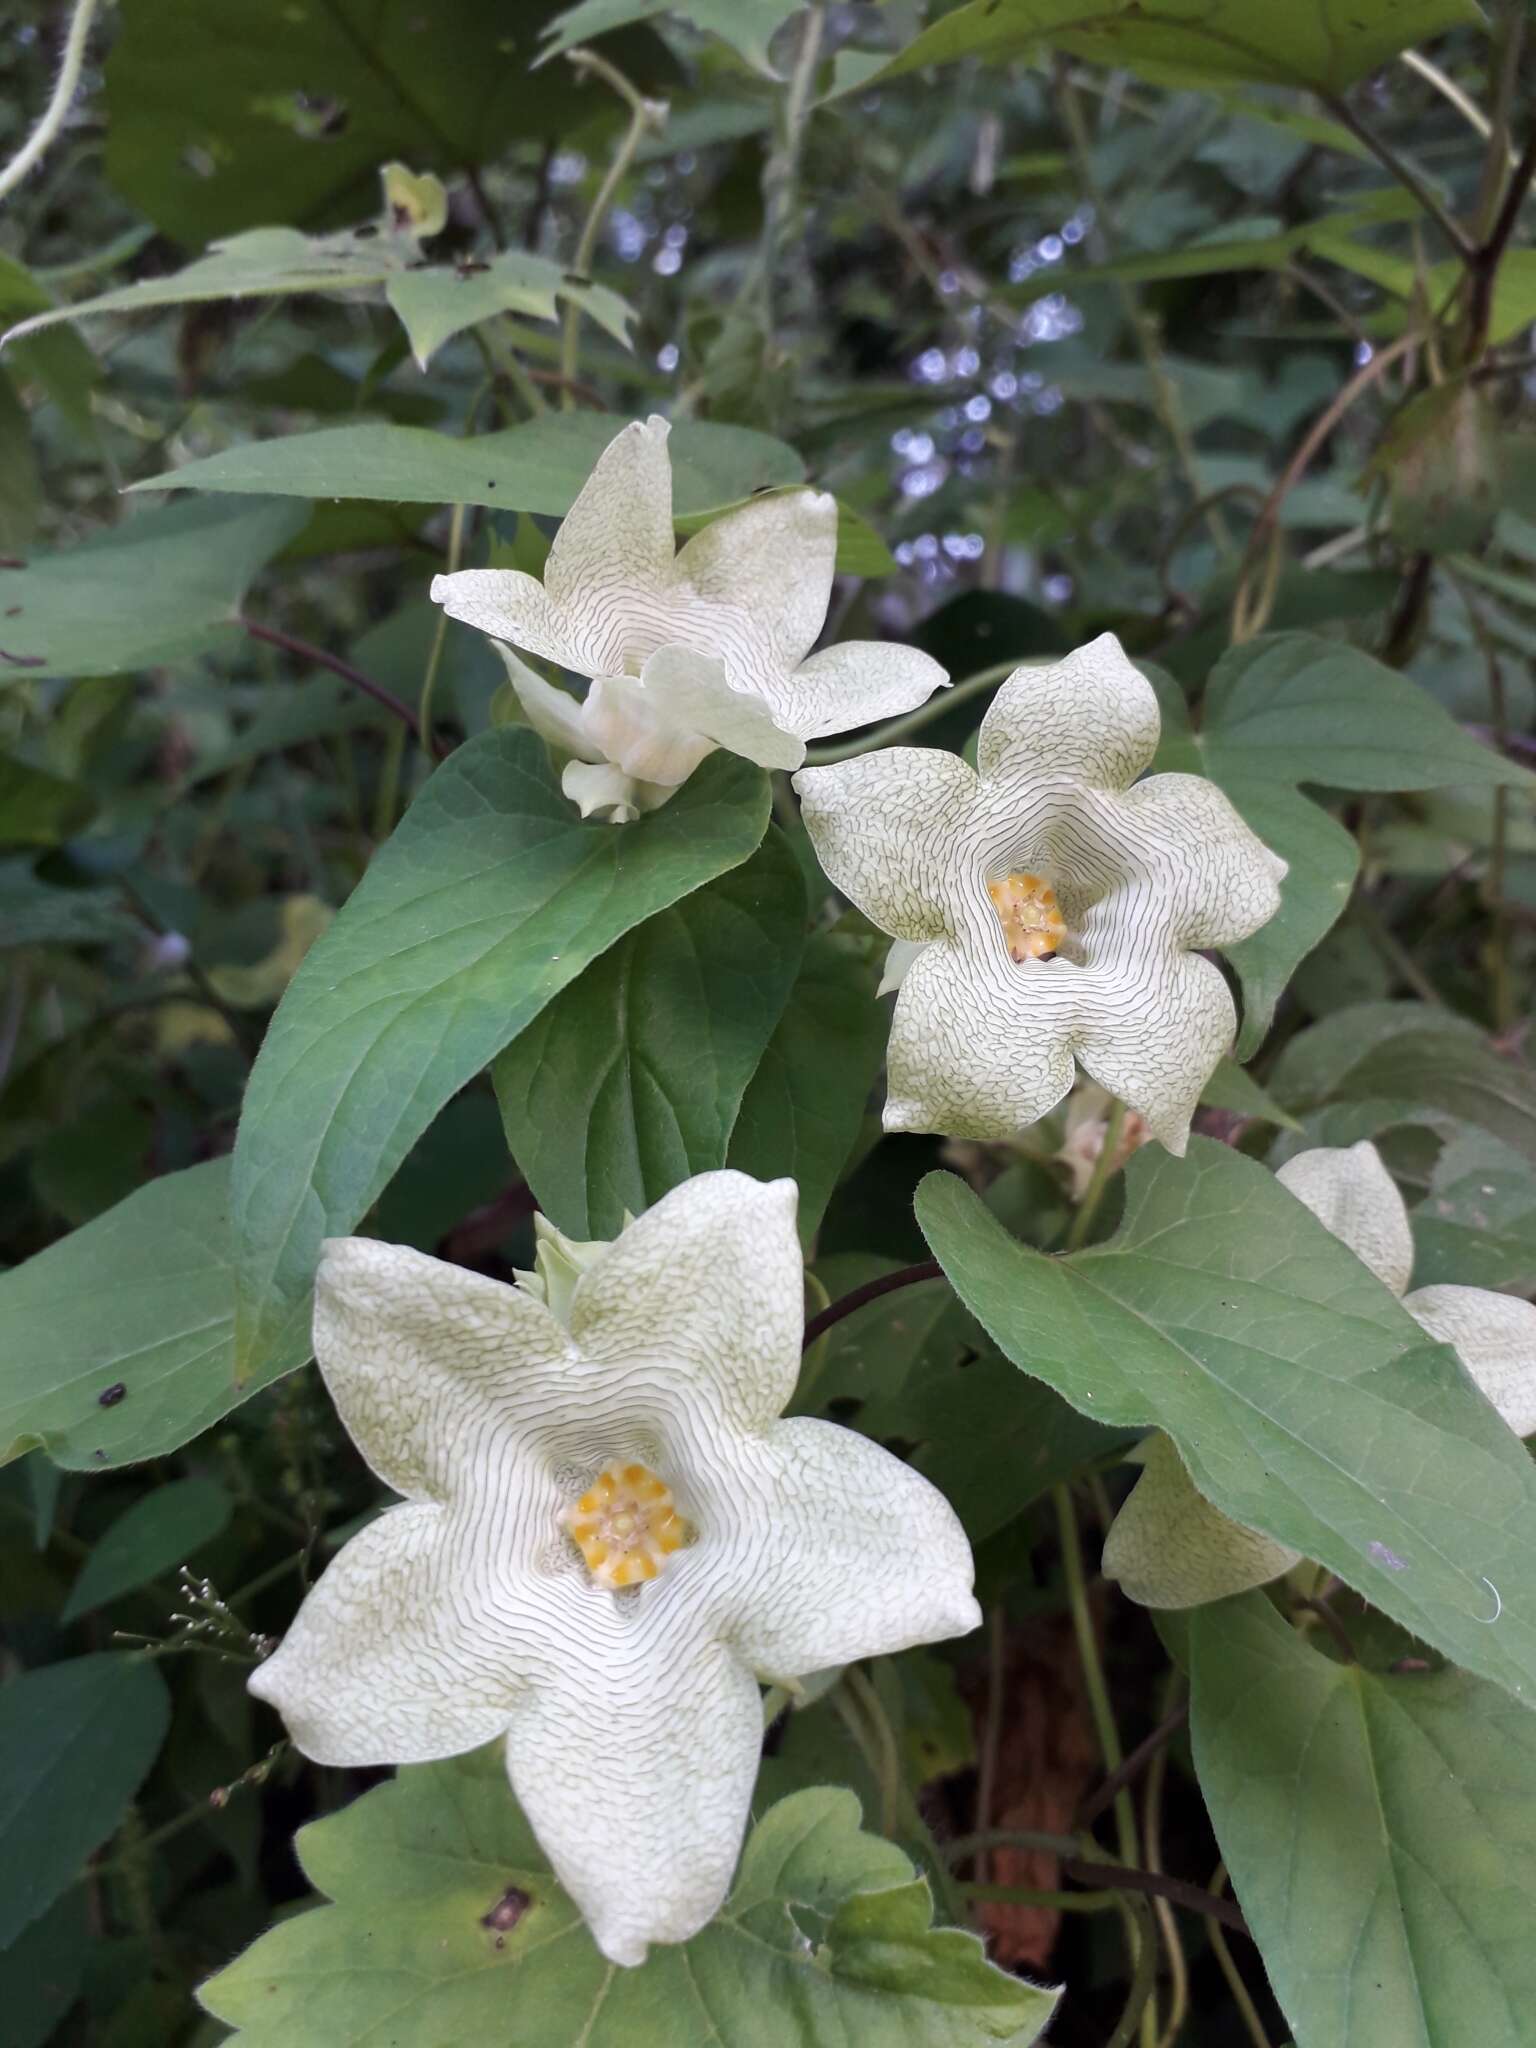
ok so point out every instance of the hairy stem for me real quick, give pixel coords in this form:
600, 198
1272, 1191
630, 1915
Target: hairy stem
56, 113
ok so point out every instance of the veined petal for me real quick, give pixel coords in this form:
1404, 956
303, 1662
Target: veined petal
423, 1360
1091, 717
855, 683
394, 1657
635, 1767
1168, 1547
1219, 880
516, 608
1352, 1194
709, 1280
616, 541
691, 691
769, 565
1495, 1339
887, 828
554, 714
979, 1048
850, 1554
636, 730
1152, 1031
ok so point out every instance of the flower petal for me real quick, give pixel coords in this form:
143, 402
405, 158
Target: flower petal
978, 1047
1092, 717
850, 1554
1495, 1338
555, 715
855, 683
635, 1767
516, 608
595, 786
1352, 1194
886, 827
636, 729
423, 1359
767, 567
392, 1659
1219, 880
691, 691
1168, 1546
903, 952
710, 1279
1152, 1030
615, 545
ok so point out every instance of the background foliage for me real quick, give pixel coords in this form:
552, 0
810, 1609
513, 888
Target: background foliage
1201, 322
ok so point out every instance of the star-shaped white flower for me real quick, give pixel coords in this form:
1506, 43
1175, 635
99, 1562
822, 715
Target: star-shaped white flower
1168, 1546
688, 650
1045, 911
607, 1539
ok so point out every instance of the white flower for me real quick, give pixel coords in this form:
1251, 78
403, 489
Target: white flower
1168, 1546
688, 650
1051, 911
607, 1539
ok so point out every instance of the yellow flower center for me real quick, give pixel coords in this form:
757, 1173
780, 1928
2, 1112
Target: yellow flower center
1026, 909
625, 1525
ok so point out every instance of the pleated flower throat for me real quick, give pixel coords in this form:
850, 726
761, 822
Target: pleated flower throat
607, 1539
1168, 1546
687, 650
1047, 913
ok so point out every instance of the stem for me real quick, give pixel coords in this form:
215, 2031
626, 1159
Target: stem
424, 732
1403, 171
1449, 90
1096, 1869
1483, 264
644, 115
1055, 1902
908, 1276
1229, 1970
1249, 619
913, 721
1141, 1939
1093, 1670
781, 172
863, 1705
1504, 69
1165, 393
1167, 1926
304, 650
1103, 1168
992, 1727
56, 113
1143, 1754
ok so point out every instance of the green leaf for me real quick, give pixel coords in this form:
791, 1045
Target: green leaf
159, 1532
1309, 43
825, 1937
61, 363
433, 301
35, 913
1380, 1830
1411, 1054
1300, 1393
805, 1105
490, 899
1477, 1225
1289, 708
1234, 1089
42, 1970
747, 25
160, 587
224, 117
76, 1740
537, 467
630, 1080
20, 488
39, 809
140, 1299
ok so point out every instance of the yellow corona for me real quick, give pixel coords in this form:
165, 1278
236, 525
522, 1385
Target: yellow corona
625, 1525
1026, 907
